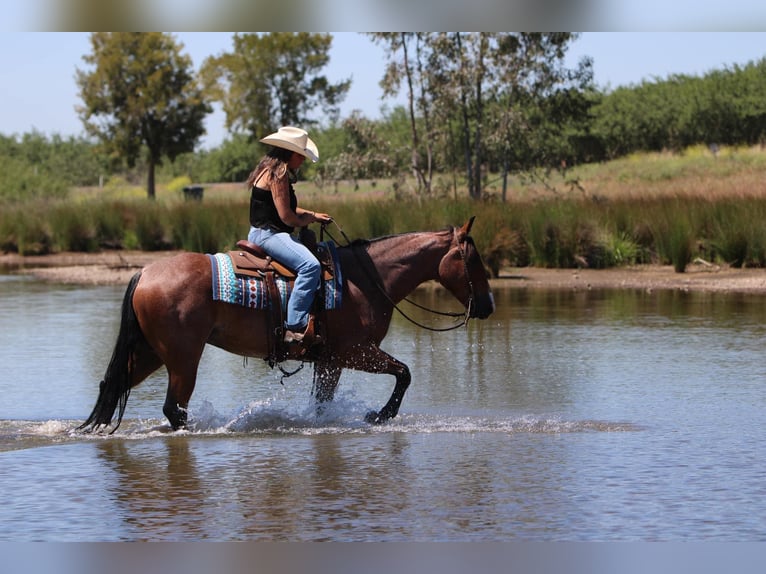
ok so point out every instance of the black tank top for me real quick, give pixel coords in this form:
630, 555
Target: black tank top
263, 212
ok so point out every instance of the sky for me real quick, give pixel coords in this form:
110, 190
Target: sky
37, 69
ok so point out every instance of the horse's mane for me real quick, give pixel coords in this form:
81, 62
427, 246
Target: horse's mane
359, 243
364, 243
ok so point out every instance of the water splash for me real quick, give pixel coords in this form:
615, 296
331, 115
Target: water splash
274, 416
346, 414
277, 416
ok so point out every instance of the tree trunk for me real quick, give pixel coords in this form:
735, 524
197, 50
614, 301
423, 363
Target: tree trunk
477, 154
424, 108
505, 178
413, 125
150, 179
466, 123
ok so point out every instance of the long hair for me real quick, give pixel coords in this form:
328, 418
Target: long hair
275, 162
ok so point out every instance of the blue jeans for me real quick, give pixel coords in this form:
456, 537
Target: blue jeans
289, 251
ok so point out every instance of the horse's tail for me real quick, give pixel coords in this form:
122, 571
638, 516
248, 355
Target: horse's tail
114, 389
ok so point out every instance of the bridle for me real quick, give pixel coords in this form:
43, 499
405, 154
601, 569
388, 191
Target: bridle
468, 306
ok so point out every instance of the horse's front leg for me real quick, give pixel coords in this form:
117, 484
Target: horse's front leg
373, 360
326, 377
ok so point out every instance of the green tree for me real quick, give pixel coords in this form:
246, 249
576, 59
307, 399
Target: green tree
271, 80
411, 70
362, 153
39, 166
141, 94
468, 92
537, 103
232, 161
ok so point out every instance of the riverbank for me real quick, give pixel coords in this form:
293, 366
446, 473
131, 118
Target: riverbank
105, 268
117, 267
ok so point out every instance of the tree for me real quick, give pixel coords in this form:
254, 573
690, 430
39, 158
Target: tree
539, 101
364, 153
271, 80
411, 69
467, 90
141, 92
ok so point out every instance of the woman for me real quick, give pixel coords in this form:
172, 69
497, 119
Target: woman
274, 213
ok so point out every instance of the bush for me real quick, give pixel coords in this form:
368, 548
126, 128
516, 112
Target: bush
73, 229
23, 231
20, 181
151, 230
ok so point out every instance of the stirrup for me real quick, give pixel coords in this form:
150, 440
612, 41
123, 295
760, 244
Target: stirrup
293, 337
308, 338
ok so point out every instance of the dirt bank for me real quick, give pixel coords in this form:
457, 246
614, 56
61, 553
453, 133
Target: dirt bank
698, 277
116, 268
106, 268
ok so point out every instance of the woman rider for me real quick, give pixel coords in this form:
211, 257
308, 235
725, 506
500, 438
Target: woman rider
274, 213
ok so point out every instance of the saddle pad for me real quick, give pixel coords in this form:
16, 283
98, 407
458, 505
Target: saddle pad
241, 290
252, 292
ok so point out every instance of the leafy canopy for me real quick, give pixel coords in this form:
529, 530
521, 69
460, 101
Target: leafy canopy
141, 92
271, 80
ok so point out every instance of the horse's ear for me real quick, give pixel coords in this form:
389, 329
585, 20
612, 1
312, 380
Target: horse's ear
466, 229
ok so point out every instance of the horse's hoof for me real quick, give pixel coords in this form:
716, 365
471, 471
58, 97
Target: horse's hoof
373, 418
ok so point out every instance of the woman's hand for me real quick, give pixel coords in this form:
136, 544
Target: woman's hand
322, 217
316, 217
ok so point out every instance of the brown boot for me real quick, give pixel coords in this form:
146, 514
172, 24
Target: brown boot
294, 337
307, 338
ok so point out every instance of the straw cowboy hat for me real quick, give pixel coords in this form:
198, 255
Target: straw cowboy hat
294, 139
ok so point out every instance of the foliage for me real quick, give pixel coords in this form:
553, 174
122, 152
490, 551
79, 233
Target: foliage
470, 95
37, 166
141, 91
572, 230
177, 184
232, 161
21, 180
273, 79
363, 154
723, 107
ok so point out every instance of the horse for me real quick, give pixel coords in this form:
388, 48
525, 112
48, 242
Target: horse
169, 315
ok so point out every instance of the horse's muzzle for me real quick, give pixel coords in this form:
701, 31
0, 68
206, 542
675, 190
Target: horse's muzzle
483, 306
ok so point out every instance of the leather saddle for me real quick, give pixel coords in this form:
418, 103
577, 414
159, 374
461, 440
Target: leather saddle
251, 260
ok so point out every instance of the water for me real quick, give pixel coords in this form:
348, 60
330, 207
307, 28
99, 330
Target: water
617, 416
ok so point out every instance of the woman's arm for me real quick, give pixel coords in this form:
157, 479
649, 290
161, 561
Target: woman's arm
280, 191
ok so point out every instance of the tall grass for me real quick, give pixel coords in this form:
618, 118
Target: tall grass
656, 208
553, 233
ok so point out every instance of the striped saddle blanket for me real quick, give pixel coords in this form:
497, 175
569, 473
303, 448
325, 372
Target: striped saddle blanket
252, 292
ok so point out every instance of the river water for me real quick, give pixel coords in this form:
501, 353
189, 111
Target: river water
617, 416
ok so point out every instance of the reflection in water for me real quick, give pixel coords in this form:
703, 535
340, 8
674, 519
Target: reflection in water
214, 488
335, 487
158, 491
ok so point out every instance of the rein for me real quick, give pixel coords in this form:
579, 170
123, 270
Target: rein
380, 287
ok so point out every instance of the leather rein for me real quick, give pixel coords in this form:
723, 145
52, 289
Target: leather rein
468, 306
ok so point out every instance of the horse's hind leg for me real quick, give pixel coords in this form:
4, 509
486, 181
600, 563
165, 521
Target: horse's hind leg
181, 382
176, 402
145, 362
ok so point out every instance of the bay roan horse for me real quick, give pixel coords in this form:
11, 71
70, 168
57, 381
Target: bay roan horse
169, 315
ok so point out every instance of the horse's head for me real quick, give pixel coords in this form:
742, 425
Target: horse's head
462, 273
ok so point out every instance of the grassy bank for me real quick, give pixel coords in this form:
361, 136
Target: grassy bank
657, 208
